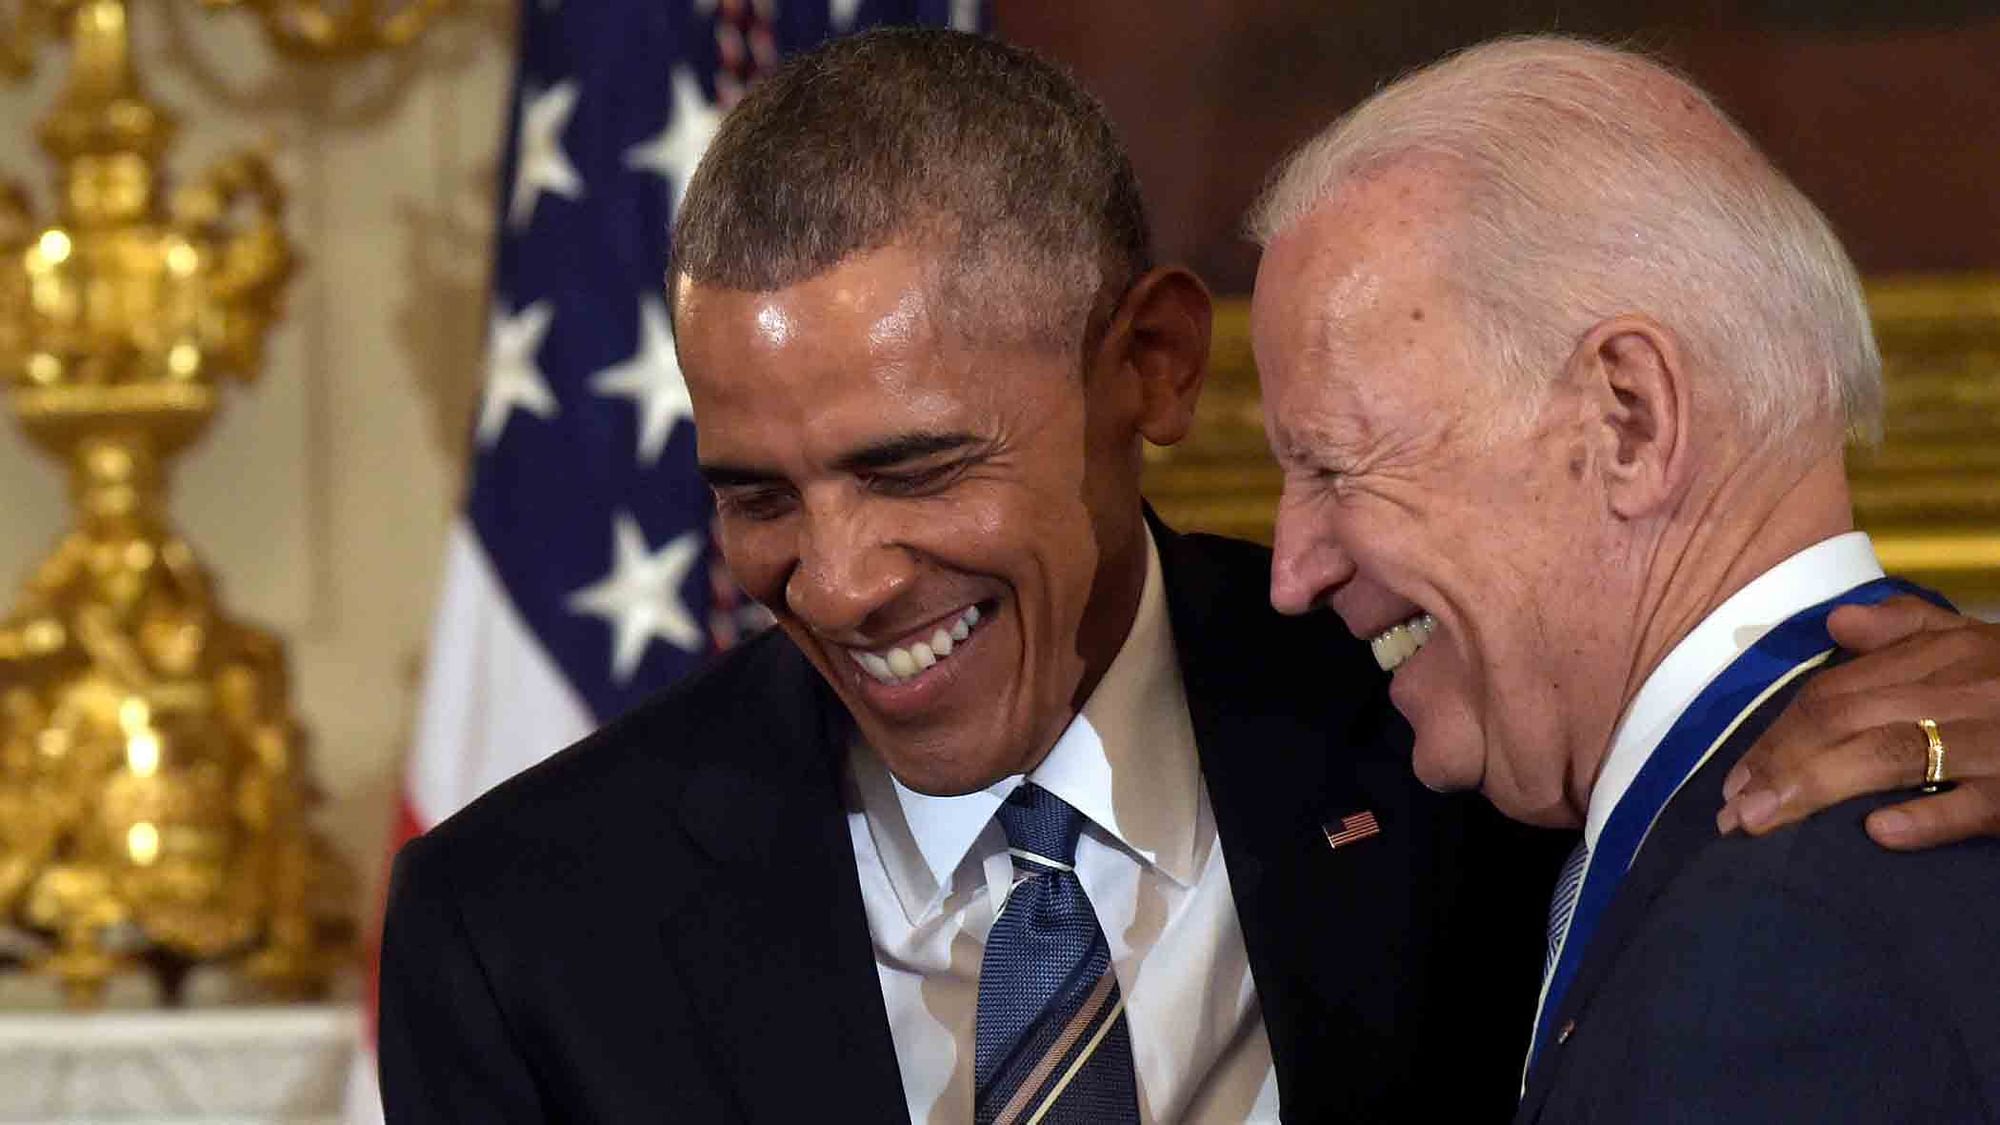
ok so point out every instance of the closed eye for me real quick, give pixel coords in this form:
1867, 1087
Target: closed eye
755, 504
1322, 479
1316, 470
916, 481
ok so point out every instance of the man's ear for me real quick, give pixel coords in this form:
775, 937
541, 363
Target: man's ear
1634, 386
1159, 333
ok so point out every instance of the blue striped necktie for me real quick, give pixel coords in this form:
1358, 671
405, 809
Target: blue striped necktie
1051, 1042
1563, 904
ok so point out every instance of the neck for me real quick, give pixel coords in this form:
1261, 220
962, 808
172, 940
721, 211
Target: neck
1107, 623
1718, 540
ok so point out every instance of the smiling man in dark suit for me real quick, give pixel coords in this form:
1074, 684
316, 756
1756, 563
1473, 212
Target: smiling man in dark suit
1031, 806
1561, 370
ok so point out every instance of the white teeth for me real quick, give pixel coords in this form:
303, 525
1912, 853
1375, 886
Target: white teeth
1398, 643
875, 666
894, 665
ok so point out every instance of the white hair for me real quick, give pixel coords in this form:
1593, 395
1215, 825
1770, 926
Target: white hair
1597, 182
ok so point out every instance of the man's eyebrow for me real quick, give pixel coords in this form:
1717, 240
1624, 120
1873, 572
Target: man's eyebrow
903, 447
875, 455
720, 475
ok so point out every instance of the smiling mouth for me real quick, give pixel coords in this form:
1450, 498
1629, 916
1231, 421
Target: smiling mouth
899, 664
1397, 643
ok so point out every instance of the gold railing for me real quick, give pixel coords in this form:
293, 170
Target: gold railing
1929, 494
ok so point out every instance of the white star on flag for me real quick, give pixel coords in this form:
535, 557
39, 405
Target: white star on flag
513, 379
542, 165
641, 597
677, 147
843, 13
652, 380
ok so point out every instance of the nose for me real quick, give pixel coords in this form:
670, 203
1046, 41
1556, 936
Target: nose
848, 568
1307, 565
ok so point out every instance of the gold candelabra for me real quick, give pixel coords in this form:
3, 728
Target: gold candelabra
311, 28
153, 782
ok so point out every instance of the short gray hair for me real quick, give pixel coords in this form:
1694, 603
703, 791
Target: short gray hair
1598, 182
984, 151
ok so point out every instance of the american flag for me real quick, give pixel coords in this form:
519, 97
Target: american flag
1355, 826
579, 578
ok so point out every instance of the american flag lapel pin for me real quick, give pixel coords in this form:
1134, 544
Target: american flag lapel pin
1352, 827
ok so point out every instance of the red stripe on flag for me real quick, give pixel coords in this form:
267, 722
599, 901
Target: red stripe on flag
1358, 826
406, 828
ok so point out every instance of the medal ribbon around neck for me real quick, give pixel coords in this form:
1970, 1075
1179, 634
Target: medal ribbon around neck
1795, 645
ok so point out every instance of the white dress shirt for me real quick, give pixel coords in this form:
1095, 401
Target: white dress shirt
1824, 570
935, 870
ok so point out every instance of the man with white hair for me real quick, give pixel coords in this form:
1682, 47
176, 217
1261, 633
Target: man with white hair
1559, 369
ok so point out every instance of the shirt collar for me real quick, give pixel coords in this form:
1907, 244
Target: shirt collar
1127, 762
1824, 570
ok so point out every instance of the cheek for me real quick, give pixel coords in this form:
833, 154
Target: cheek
1380, 540
976, 518
985, 530
758, 557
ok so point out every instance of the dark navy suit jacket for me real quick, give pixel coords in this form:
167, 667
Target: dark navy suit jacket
664, 922
1807, 976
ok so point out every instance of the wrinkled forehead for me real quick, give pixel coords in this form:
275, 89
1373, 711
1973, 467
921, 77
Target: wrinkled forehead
1390, 227
854, 355
1353, 306
982, 287
1334, 284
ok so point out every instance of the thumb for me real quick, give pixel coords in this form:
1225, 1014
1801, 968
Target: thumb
1870, 628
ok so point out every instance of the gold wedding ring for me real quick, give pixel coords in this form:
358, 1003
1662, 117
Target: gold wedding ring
1934, 776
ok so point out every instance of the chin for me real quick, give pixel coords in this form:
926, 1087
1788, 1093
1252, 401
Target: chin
1534, 807
937, 774
1538, 814
1445, 768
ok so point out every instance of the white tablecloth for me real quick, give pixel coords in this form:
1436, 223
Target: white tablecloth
219, 1066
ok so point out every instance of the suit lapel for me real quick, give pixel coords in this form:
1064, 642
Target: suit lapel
1327, 929
773, 945
1685, 826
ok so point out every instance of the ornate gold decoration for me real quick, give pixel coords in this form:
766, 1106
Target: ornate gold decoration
357, 27
1929, 494
153, 780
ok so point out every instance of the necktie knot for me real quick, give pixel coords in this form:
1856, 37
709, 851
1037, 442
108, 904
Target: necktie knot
1039, 822
1052, 1044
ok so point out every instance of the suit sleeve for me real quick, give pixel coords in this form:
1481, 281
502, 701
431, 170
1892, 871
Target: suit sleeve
444, 1049
1781, 998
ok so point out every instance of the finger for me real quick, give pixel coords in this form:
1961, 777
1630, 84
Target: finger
1739, 775
1811, 721
1730, 819
1969, 811
1968, 655
1873, 761
1875, 688
1865, 628
1877, 760
1816, 721
1822, 715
